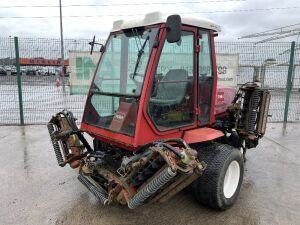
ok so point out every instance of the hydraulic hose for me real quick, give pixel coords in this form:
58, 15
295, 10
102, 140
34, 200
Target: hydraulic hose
167, 146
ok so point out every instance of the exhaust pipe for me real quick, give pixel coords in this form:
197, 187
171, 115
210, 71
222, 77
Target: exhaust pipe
98, 191
155, 184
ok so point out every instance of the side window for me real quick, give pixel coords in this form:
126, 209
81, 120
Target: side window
171, 103
205, 77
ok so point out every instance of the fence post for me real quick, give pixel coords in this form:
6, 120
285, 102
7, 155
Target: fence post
19, 81
289, 82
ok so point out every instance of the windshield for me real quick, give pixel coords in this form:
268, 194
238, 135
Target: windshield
123, 64
115, 91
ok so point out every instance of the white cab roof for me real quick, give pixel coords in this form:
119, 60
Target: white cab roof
157, 17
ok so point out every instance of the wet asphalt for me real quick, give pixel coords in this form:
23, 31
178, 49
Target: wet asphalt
35, 191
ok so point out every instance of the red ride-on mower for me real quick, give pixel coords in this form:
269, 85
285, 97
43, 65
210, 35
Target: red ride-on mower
159, 122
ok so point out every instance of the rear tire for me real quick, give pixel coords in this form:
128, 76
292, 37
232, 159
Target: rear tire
220, 184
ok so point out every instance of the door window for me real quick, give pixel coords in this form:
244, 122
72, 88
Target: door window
172, 101
205, 77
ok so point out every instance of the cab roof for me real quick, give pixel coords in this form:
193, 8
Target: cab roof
157, 17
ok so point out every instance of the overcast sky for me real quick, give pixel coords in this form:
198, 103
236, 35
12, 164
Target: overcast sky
234, 24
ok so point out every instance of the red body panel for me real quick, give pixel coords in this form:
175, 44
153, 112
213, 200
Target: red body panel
225, 96
201, 134
108, 136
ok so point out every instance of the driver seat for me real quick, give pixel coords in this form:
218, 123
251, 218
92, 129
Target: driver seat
172, 92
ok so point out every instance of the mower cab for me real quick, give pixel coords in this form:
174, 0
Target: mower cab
157, 118
153, 82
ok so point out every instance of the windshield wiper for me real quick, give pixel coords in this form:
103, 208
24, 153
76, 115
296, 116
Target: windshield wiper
139, 56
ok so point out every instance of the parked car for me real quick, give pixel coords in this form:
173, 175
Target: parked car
49, 73
23, 70
14, 72
67, 74
8, 69
44, 71
41, 73
31, 72
3, 72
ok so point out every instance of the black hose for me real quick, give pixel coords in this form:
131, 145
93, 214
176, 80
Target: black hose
164, 143
172, 149
178, 141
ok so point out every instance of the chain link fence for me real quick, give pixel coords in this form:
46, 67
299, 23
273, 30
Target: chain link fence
271, 61
43, 95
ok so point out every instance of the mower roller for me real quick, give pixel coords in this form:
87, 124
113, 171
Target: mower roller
158, 119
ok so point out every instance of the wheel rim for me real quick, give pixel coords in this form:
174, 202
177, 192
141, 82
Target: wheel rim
231, 179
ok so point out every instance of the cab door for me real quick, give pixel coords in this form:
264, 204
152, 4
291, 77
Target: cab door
206, 77
172, 103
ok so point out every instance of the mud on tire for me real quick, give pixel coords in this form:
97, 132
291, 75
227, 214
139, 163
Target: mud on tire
215, 188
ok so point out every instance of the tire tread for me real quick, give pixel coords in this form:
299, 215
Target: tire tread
206, 187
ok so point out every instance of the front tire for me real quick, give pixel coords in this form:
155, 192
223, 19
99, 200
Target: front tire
220, 183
